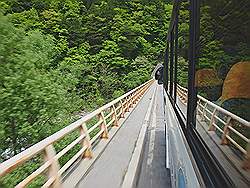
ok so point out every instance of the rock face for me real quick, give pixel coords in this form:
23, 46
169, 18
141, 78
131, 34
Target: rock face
236, 97
236, 90
208, 83
237, 82
207, 78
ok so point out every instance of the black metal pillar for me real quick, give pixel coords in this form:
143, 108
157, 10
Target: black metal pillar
194, 32
165, 72
171, 64
176, 55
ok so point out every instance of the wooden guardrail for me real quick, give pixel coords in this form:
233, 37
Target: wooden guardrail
223, 121
107, 116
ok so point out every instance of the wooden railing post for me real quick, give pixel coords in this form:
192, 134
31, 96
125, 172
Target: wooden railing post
122, 109
53, 169
114, 116
86, 141
103, 126
185, 97
126, 104
130, 104
204, 112
199, 107
137, 95
224, 140
141, 93
133, 99
211, 123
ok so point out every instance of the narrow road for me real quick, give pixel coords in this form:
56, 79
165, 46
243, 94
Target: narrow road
110, 169
153, 171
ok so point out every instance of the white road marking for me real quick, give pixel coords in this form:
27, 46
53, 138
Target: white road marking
166, 131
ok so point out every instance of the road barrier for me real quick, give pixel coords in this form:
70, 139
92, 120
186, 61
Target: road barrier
224, 122
107, 117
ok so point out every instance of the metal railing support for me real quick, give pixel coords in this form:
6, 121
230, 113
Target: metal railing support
171, 64
176, 54
194, 35
165, 70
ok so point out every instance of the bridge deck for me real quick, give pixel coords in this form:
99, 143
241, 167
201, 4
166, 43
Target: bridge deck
115, 156
224, 154
153, 171
110, 168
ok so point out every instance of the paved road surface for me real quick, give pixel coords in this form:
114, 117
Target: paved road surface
109, 170
153, 172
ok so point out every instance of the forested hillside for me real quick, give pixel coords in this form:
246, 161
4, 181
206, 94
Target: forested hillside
61, 57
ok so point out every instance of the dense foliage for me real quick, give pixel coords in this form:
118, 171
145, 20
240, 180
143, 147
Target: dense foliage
62, 58
224, 34
224, 42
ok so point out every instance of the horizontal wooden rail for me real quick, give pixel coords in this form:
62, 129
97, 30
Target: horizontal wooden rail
106, 115
223, 121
